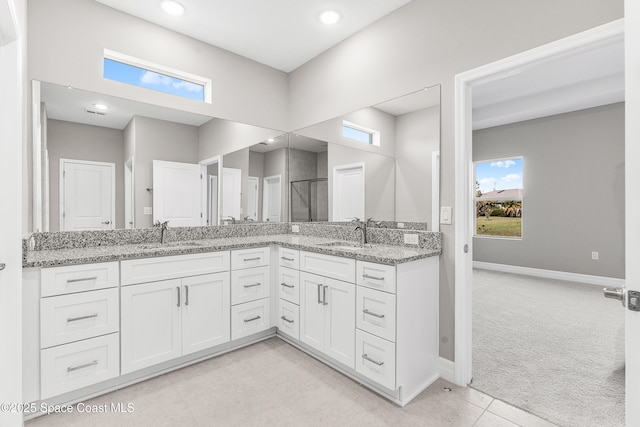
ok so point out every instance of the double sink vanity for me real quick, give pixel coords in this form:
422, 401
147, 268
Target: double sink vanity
106, 309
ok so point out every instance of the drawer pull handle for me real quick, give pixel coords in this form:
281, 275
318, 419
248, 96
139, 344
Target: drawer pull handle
252, 319
251, 259
253, 285
379, 316
287, 286
75, 319
366, 276
86, 365
284, 258
285, 319
82, 280
365, 357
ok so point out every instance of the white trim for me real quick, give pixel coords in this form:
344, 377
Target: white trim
609, 33
586, 279
8, 23
447, 369
36, 157
205, 202
162, 69
435, 191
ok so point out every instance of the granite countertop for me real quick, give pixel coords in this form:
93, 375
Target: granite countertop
379, 253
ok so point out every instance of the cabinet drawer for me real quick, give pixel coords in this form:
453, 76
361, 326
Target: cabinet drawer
376, 276
78, 278
249, 284
289, 284
289, 258
289, 319
329, 266
73, 317
376, 312
376, 359
245, 258
173, 267
72, 366
249, 318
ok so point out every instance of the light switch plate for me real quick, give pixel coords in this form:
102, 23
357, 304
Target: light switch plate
445, 215
295, 228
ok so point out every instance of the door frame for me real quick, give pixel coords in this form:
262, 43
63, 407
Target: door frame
257, 195
129, 192
61, 192
464, 214
215, 160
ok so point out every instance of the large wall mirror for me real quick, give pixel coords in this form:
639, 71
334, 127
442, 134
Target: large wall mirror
103, 162
380, 162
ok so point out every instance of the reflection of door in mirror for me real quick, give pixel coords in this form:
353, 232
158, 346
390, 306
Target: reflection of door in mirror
177, 193
212, 200
272, 198
128, 194
231, 193
348, 192
87, 195
252, 198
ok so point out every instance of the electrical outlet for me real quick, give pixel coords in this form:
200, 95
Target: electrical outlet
148, 210
295, 228
411, 239
594, 255
401, 225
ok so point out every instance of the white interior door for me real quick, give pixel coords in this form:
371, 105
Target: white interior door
231, 193
87, 195
213, 200
128, 194
272, 198
252, 197
348, 192
177, 194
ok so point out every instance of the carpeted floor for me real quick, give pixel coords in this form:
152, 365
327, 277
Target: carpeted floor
550, 347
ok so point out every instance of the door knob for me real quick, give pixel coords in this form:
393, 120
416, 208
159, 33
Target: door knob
106, 222
616, 293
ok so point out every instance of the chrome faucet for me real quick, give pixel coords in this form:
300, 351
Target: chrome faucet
362, 227
163, 232
232, 219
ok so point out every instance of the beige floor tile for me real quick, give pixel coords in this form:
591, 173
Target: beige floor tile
517, 415
491, 420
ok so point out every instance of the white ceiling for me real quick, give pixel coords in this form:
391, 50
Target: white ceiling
283, 34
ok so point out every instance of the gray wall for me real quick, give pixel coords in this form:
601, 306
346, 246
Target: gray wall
417, 136
83, 142
217, 137
426, 43
573, 201
158, 140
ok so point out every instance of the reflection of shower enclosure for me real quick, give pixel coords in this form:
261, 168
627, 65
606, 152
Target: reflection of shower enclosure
309, 200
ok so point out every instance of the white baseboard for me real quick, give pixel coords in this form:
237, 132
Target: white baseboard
551, 274
447, 369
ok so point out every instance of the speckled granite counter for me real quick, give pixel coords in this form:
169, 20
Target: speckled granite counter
376, 252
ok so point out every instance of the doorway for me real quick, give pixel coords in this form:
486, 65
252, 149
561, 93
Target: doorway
348, 192
272, 198
252, 198
468, 114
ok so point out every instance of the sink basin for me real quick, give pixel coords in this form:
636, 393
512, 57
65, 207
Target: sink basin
346, 246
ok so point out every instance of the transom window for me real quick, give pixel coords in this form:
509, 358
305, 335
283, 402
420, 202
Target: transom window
498, 197
137, 72
360, 133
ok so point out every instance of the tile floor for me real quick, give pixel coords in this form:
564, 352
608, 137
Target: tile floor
274, 384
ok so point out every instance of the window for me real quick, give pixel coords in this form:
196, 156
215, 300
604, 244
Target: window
498, 197
136, 72
360, 133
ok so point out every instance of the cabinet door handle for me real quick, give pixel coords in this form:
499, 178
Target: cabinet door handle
287, 286
371, 313
284, 258
285, 319
367, 276
251, 259
252, 319
82, 280
324, 296
75, 319
253, 285
319, 293
86, 365
178, 289
365, 357
186, 294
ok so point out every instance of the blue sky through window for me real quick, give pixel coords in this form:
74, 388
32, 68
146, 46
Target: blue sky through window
499, 174
357, 134
136, 76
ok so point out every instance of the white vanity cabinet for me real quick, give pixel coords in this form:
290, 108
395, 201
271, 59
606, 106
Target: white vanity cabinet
165, 319
250, 291
327, 305
289, 292
79, 324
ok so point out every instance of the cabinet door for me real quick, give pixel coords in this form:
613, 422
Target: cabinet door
340, 321
312, 310
205, 311
150, 324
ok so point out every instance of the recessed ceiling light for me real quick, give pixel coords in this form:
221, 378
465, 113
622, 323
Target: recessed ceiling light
172, 7
270, 140
101, 106
329, 17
